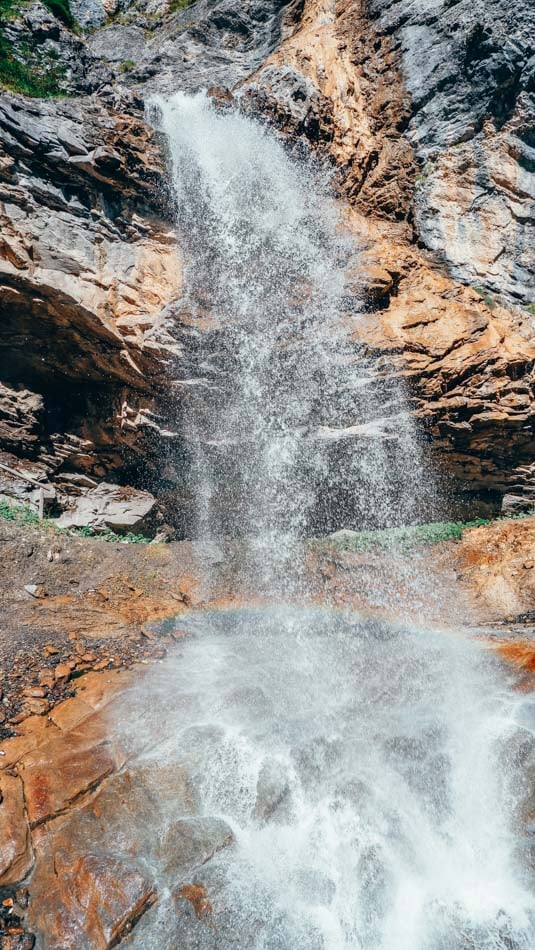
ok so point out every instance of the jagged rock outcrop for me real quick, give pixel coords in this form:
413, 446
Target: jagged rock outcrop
425, 115
352, 83
428, 113
88, 265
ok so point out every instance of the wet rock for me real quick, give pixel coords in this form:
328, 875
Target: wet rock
290, 101
191, 842
197, 896
88, 902
272, 792
16, 856
170, 924
61, 771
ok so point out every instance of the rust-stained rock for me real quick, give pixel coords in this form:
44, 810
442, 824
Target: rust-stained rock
196, 894
59, 772
16, 857
496, 564
87, 901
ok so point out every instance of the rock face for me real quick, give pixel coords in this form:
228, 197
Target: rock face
433, 151
88, 266
425, 112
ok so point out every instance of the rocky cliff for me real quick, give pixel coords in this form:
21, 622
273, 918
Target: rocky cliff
425, 111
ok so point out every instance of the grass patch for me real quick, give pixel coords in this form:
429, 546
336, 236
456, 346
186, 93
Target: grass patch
30, 72
127, 66
406, 537
62, 11
175, 5
59, 8
106, 535
28, 67
484, 294
23, 514
410, 536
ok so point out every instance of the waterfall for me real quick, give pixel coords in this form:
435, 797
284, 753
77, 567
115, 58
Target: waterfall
290, 429
329, 781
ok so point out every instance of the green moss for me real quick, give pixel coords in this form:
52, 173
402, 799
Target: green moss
9, 9
108, 535
31, 68
406, 538
30, 72
531, 308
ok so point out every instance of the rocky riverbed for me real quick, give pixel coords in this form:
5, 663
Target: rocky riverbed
82, 642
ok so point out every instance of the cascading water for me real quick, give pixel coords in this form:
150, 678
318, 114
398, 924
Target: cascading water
340, 782
289, 413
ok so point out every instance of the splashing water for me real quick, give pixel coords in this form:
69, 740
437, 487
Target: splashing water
371, 777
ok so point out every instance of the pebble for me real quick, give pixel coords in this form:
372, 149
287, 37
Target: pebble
37, 706
50, 649
46, 678
35, 590
37, 692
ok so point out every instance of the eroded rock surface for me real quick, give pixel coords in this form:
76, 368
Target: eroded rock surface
425, 114
415, 145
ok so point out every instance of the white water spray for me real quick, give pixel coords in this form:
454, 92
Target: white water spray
372, 776
292, 432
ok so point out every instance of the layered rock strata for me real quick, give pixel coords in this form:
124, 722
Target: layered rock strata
432, 155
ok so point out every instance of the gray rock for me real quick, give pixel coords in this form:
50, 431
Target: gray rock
88, 13
209, 43
470, 70
109, 506
289, 100
118, 44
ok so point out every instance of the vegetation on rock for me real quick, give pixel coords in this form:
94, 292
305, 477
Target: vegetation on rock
29, 67
408, 536
23, 514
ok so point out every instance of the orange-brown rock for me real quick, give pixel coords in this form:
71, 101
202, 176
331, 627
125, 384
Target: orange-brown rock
197, 896
16, 856
88, 902
496, 564
61, 771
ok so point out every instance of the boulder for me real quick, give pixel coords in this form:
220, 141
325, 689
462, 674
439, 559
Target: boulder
89, 901
110, 506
